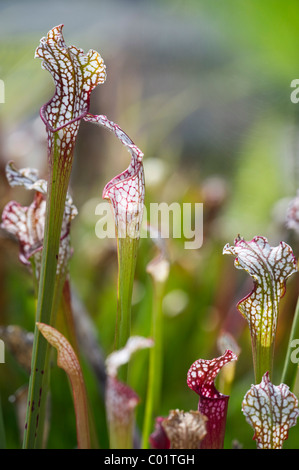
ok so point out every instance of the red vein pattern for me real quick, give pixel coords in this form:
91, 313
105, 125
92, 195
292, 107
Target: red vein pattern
27, 223
271, 410
126, 190
212, 403
269, 267
75, 75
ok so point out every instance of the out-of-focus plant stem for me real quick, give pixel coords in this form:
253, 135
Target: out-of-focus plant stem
2, 430
290, 369
65, 319
68, 361
158, 268
155, 364
127, 253
58, 180
120, 399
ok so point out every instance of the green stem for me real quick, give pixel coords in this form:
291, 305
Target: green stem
155, 365
263, 360
121, 436
2, 430
127, 254
291, 367
39, 378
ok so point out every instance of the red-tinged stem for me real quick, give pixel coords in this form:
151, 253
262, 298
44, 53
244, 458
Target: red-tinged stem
65, 320
67, 360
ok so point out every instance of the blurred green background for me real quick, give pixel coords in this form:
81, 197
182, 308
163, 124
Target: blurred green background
203, 88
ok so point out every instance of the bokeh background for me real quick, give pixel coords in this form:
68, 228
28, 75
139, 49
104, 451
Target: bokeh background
203, 88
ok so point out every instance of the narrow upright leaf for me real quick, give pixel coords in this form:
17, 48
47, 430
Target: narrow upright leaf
68, 361
75, 75
271, 410
158, 268
126, 194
